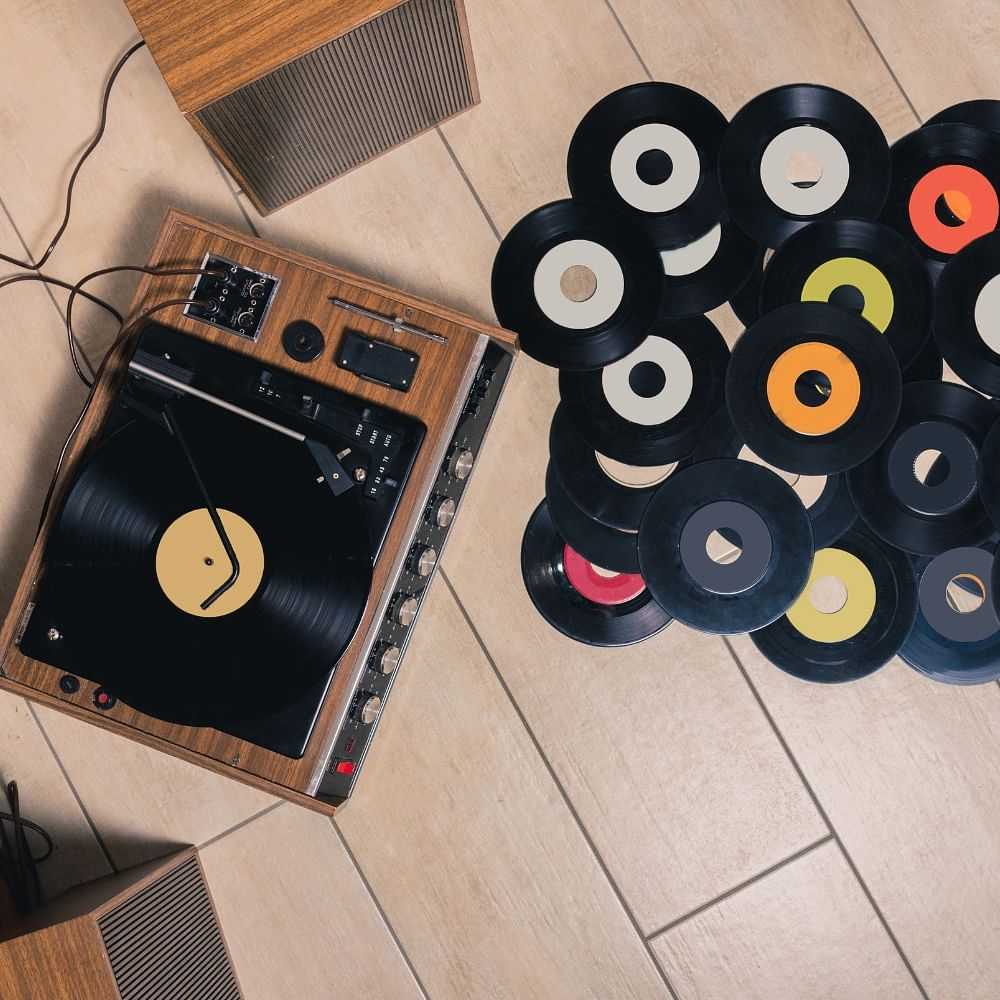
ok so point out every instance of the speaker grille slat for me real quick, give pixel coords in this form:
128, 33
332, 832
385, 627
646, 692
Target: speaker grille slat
344, 103
165, 943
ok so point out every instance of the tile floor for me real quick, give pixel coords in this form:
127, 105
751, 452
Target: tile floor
537, 819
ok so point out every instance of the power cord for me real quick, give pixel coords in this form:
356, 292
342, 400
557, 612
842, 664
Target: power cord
18, 866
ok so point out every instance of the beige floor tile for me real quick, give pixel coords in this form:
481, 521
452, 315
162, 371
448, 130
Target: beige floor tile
733, 51
47, 799
541, 66
941, 53
909, 772
144, 802
297, 917
407, 218
806, 932
663, 751
56, 58
479, 865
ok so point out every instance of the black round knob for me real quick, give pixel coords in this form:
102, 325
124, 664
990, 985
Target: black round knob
104, 699
302, 341
69, 684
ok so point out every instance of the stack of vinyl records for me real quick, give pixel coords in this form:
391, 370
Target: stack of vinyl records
820, 487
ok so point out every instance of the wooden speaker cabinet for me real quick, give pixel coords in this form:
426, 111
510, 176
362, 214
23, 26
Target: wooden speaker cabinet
151, 931
291, 94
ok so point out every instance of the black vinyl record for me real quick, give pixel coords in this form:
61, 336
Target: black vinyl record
746, 302
832, 513
967, 314
648, 152
617, 494
944, 193
954, 641
599, 322
928, 366
708, 271
861, 266
652, 406
788, 122
599, 610
735, 499
134, 551
867, 631
982, 114
945, 510
989, 473
774, 388
607, 547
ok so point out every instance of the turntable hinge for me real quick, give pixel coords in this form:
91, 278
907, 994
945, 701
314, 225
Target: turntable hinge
22, 625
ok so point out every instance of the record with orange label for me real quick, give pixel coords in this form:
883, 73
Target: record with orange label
813, 389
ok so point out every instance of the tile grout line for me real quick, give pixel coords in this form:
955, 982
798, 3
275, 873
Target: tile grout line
468, 183
242, 823
825, 817
736, 889
564, 795
76, 795
381, 910
628, 38
885, 62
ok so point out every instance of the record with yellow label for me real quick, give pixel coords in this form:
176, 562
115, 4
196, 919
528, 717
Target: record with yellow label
862, 267
853, 616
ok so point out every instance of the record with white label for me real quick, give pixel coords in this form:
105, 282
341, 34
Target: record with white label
648, 153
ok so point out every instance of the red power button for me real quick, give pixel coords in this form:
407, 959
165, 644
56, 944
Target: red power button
345, 767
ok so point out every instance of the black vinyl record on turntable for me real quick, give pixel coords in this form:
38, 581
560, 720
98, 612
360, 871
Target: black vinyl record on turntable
861, 266
818, 127
651, 407
648, 153
580, 288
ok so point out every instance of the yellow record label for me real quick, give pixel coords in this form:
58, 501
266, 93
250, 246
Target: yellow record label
191, 563
837, 626
865, 277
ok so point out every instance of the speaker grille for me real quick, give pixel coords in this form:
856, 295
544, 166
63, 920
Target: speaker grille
165, 942
338, 106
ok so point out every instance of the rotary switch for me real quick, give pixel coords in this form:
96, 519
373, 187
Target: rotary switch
460, 463
369, 710
441, 511
388, 659
423, 559
404, 609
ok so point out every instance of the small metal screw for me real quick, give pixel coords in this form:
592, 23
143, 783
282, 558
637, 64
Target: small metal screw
336, 475
54, 634
360, 475
371, 347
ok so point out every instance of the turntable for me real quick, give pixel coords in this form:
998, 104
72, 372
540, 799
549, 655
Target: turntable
250, 514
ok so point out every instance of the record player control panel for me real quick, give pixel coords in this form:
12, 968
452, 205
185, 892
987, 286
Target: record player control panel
425, 553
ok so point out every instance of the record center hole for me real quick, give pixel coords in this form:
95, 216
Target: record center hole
726, 548
578, 283
654, 166
965, 593
828, 595
953, 208
812, 388
931, 468
847, 297
647, 379
803, 169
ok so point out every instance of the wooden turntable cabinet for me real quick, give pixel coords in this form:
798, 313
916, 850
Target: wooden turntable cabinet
461, 367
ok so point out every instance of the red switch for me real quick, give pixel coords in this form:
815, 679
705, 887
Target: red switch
345, 767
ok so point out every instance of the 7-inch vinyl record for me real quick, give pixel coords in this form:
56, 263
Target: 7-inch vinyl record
648, 153
982, 114
944, 193
861, 266
989, 472
956, 639
831, 644
616, 493
967, 314
736, 500
797, 122
813, 389
580, 288
943, 510
651, 407
928, 366
708, 271
746, 302
583, 601
134, 556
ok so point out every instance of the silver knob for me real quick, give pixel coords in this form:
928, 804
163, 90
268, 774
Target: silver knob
461, 464
389, 659
444, 512
426, 561
369, 710
406, 611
